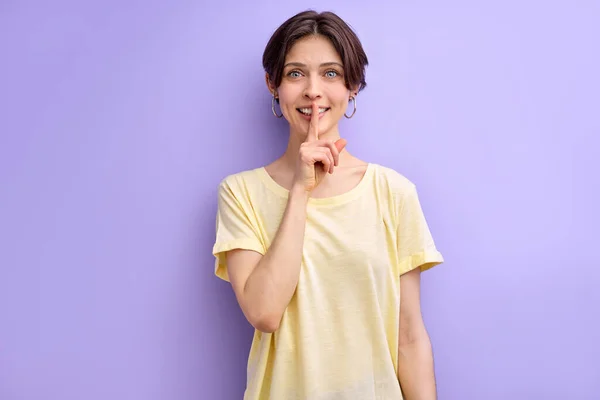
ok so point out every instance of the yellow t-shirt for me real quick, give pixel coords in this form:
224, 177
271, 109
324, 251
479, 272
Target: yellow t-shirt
338, 338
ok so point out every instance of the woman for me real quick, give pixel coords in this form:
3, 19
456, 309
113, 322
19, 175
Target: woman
323, 250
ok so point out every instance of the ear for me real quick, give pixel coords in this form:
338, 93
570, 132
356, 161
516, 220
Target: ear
270, 85
353, 92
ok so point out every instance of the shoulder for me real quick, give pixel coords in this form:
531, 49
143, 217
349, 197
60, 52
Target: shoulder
398, 191
395, 183
240, 180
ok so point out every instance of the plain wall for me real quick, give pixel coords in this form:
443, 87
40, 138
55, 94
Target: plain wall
119, 119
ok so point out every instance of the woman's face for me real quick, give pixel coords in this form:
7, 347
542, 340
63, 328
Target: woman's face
313, 71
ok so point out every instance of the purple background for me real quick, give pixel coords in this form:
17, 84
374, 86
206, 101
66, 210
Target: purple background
118, 120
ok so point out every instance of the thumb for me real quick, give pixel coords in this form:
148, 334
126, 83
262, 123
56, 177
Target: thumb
340, 144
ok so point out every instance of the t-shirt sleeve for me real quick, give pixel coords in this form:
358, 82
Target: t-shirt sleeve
236, 228
416, 247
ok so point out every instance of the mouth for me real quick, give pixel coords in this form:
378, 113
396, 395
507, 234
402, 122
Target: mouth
306, 113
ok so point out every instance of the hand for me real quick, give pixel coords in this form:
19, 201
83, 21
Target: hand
316, 157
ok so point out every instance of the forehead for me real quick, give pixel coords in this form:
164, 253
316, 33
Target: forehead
313, 50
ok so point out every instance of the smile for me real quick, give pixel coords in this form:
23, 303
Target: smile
308, 111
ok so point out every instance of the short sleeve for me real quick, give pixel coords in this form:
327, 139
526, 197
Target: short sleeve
236, 228
416, 247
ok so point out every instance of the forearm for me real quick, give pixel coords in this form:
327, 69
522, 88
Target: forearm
415, 370
272, 283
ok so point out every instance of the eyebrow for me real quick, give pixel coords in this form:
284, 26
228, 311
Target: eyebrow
297, 64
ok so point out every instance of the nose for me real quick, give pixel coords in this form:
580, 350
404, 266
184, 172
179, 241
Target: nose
312, 90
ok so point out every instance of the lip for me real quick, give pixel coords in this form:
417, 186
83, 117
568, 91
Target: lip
309, 117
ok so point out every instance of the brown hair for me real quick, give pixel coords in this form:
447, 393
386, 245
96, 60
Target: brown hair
326, 24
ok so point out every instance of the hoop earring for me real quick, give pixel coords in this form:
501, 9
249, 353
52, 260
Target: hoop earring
273, 107
353, 101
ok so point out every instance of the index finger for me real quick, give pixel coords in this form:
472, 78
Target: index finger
313, 127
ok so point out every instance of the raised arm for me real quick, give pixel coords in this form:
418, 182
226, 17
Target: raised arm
264, 285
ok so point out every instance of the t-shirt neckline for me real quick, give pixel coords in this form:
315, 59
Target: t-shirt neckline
321, 201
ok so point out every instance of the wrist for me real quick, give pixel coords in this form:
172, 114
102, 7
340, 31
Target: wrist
298, 192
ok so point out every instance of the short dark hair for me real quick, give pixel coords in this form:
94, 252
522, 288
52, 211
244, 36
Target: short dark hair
326, 24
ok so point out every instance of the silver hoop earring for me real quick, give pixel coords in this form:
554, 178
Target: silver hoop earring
353, 101
273, 107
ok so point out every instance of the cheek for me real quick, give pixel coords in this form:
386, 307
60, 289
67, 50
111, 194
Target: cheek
287, 95
339, 97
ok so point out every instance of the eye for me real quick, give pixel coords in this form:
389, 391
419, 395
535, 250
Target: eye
331, 73
294, 74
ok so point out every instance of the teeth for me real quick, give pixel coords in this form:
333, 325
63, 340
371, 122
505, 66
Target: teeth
308, 111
